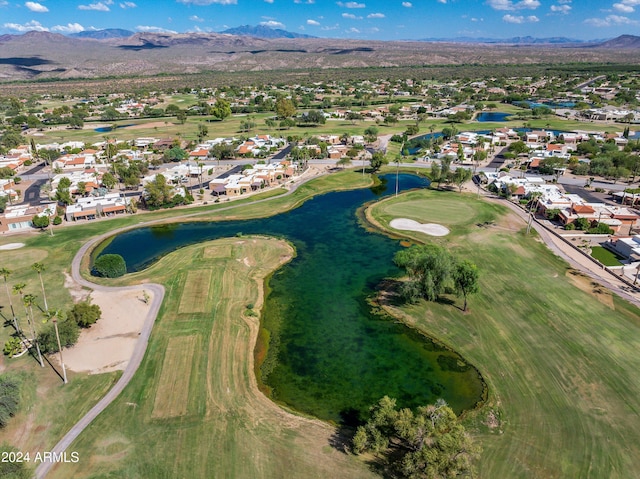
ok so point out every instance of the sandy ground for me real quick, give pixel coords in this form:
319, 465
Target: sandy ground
11, 246
410, 225
108, 344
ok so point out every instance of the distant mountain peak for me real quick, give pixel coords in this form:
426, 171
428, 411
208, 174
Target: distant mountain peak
104, 34
623, 41
262, 31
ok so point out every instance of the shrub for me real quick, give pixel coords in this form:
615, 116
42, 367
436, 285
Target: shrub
84, 314
57, 221
582, 223
12, 347
9, 398
570, 226
600, 229
109, 266
69, 332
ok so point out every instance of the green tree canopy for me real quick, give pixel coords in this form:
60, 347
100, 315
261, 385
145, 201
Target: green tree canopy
69, 332
84, 313
221, 109
429, 443
109, 266
285, 108
430, 269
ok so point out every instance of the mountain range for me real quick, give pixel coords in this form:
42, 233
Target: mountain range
119, 53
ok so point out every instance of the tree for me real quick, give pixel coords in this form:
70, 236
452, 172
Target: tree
344, 161
109, 266
429, 443
5, 273
203, 131
313, 117
222, 151
285, 108
108, 180
465, 277
29, 300
53, 317
181, 116
430, 269
39, 268
221, 109
461, 176
371, 134
84, 313
377, 160
176, 154
68, 332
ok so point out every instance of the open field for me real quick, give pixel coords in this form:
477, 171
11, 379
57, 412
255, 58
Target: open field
193, 409
561, 364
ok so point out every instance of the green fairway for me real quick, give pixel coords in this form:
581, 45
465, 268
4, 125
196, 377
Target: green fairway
194, 409
561, 361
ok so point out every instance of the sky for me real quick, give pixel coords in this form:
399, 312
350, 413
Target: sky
362, 19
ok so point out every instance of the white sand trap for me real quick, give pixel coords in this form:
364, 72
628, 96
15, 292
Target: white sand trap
410, 225
11, 246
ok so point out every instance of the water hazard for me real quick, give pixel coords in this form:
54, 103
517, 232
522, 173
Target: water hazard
329, 354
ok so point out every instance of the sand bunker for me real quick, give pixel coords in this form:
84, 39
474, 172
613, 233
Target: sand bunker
11, 246
410, 225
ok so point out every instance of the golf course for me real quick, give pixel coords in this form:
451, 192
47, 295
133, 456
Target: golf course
557, 352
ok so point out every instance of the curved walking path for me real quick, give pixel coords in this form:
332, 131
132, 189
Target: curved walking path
141, 345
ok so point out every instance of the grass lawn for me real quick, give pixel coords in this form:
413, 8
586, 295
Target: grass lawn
605, 256
558, 352
193, 409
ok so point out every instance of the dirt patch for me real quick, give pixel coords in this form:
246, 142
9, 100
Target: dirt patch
195, 293
589, 286
108, 344
172, 395
77, 292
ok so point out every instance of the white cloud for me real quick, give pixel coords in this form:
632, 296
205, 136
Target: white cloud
307, 2
351, 5
532, 19
27, 27
351, 16
151, 29
407, 4
196, 18
100, 7
272, 24
68, 28
36, 7
313, 22
330, 27
126, 5
442, 1
563, 9
353, 30
510, 5
626, 6
375, 15
268, 1
610, 21
513, 19
208, 2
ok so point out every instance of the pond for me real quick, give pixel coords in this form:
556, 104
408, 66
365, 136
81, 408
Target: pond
106, 129
330, 355
487, 116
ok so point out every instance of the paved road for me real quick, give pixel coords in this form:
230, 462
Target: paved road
32, 194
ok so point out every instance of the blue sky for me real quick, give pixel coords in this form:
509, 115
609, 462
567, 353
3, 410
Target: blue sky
365, 19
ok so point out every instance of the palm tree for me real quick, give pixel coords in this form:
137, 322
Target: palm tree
28, 300
53, 316
39, 268
4, 272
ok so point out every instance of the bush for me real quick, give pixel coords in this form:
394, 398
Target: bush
569, 227
582, 223
9, 397
12, 347
57, 221
600, 229
109, 266
69, 332
84, 314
